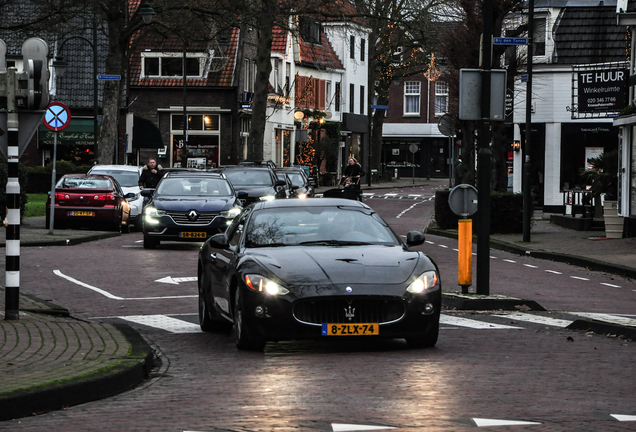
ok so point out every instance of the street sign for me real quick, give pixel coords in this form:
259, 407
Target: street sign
462, 200
109, 77
509, 41
413, 148
384, 107
57, 116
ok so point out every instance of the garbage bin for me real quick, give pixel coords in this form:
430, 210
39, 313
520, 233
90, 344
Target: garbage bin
374, 176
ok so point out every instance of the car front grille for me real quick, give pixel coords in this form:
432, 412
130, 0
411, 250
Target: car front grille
181, 218
349, 310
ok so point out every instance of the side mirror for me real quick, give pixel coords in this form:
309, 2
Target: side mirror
219, 241
294, 187
242, 194
147, 192
280, 183
414, 238
129, 195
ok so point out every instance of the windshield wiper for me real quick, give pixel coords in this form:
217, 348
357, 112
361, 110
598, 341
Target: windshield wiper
334, 242
257, 245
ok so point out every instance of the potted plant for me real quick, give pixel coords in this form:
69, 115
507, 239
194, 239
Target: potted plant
603, 176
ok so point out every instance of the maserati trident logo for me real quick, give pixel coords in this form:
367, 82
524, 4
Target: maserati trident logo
193, 215
350, 313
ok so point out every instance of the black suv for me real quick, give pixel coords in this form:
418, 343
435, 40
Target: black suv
260, 182
189, 206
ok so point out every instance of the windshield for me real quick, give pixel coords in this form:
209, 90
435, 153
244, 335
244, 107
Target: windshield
296, 179
249, 177
124, 178
194, 187
317, 226
84, 183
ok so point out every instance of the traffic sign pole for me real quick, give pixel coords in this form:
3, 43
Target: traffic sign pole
56, 118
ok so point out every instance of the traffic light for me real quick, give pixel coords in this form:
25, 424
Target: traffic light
35, 57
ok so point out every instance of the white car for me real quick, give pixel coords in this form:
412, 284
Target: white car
128, 178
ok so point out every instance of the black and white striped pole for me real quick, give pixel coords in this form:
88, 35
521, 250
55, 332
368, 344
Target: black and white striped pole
30, 86
12, 282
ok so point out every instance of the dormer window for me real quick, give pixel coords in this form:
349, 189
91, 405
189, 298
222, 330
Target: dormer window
310, 30
170, 65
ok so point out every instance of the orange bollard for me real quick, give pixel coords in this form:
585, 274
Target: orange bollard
465, 254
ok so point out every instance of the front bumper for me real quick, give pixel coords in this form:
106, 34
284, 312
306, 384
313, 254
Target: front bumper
282, 318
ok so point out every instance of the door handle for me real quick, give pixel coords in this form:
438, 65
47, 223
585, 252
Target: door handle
213, 255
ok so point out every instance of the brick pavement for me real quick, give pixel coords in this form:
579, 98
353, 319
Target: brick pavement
49, 360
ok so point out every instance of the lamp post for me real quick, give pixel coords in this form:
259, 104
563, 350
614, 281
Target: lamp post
146, 12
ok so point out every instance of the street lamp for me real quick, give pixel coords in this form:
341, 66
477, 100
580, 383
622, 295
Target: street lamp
146, 12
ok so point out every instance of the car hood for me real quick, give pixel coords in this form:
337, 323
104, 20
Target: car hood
129, 189
200, 204
320, 265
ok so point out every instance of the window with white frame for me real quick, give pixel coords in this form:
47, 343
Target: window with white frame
538, 39
247, 78
328, 95
170, 64
441, 97
412, 90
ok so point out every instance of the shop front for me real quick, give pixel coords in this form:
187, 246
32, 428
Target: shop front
201, 149
75, 144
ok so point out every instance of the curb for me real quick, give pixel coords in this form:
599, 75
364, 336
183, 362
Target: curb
579, 261
65, 242
132, 370
611, 330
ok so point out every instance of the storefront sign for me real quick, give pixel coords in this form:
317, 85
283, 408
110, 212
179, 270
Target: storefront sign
79, 132
602, 90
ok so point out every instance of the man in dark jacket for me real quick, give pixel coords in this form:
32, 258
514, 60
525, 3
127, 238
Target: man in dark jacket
151, 174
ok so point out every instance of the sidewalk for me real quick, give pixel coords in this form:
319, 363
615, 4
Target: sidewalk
49, 360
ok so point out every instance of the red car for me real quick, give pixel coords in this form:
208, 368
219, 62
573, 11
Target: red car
89, 200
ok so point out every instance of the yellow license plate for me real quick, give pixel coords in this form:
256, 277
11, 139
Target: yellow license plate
81, 213
362, 329
192, 235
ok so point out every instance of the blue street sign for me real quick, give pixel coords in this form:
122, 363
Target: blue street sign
510, 41
384, 107
524, 78
109, 77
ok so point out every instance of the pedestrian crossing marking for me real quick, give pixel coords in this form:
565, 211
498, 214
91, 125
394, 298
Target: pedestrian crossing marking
483, 422
474, 324
343, 427
611, 319
536, 319
622, 417
163, 322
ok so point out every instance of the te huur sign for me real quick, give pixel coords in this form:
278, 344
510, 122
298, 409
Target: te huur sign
602, 90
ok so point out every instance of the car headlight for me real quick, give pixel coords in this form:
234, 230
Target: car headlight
135, 198
426, 281
267, 197
231, 213
262, 284
302, 195
151, 214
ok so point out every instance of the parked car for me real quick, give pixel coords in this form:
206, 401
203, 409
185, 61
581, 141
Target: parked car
306, 185
189, 206
89, 200
260, 182
319, 268
267, 163
128, 178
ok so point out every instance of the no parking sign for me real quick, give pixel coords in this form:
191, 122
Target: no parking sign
57, 116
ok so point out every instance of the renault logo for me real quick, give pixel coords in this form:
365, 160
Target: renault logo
193, 215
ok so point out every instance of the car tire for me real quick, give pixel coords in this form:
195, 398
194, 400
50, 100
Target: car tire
150, 243
428, 339
209, 319
242, 339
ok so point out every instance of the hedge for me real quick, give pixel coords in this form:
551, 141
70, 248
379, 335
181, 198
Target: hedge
506, 212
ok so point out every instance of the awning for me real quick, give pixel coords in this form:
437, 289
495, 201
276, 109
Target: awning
78, 132
146, 134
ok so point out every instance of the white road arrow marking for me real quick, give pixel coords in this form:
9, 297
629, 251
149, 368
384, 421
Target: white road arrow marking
474, 324
111, 296
622, 417
482, 422
342, 427
175, 281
